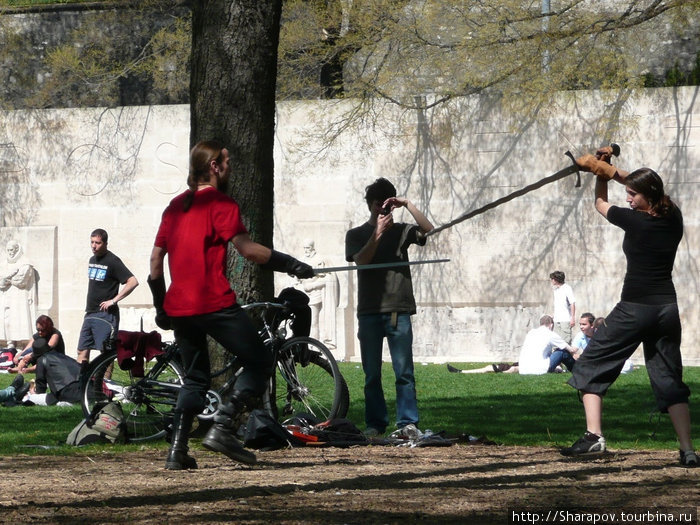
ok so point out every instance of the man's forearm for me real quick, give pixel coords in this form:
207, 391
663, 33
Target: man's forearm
423, 223
128, 287
368, 251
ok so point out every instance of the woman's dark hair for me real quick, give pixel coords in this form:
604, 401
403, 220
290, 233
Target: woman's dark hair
380, 190
201, 156
45, 322
647, 182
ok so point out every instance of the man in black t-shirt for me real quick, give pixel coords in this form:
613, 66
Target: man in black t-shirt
106, 272
385, 303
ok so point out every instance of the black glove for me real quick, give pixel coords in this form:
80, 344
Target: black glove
157, 287
281, 262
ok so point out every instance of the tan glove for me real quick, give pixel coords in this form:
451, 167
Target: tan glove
598, 167
604, 153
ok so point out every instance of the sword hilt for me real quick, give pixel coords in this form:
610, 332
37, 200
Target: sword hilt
613, 152
578, 173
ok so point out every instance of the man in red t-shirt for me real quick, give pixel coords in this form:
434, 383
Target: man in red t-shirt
194, 232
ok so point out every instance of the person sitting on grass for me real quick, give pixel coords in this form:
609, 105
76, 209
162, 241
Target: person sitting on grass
586, 325
56, 377
544, 350
44, 329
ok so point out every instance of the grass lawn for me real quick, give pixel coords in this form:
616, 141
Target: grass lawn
506, 408
530, 410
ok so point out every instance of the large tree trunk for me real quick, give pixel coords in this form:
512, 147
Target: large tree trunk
232, 97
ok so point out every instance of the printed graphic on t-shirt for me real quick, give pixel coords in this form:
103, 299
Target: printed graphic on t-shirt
97, 272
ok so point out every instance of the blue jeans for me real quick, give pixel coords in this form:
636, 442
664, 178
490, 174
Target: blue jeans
561, 356
372, 329
7, 393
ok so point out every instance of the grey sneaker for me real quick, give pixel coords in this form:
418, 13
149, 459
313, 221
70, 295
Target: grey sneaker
688, 458
409, 432
371, 432
588, 444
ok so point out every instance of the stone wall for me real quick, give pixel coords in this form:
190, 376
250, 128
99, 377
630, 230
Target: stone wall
76, 170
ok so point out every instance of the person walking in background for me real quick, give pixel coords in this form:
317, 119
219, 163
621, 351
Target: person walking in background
647, 313
385, 303
106, 272
195, 232
564, 305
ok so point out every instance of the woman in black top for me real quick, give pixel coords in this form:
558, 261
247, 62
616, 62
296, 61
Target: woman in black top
45, 330
647, 313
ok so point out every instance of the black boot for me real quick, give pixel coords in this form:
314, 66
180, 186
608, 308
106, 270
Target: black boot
21, 387
178, 459
222, 435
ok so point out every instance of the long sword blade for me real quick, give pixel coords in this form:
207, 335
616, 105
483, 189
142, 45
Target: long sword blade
375, 266
522, 191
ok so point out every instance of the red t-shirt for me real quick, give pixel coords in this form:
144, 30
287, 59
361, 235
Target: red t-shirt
196, 243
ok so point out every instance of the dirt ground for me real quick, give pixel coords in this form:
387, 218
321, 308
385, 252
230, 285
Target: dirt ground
376, 484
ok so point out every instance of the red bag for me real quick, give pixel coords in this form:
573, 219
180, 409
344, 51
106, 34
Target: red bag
7, 355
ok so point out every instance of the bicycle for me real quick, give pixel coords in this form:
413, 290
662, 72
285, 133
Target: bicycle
306, 380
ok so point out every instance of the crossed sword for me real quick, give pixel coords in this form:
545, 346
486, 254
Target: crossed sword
573, 168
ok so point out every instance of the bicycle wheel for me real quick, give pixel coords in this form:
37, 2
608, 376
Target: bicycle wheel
147, 402
308, 381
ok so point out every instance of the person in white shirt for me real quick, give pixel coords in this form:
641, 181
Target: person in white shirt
544, 350
564, 305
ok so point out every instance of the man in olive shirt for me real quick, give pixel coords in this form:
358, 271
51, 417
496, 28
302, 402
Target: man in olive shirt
385, 303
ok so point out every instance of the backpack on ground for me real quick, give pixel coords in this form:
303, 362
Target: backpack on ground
105, 424
263, 432
339, 432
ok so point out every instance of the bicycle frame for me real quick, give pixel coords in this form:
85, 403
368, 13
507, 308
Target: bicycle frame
304, 378
150, 386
